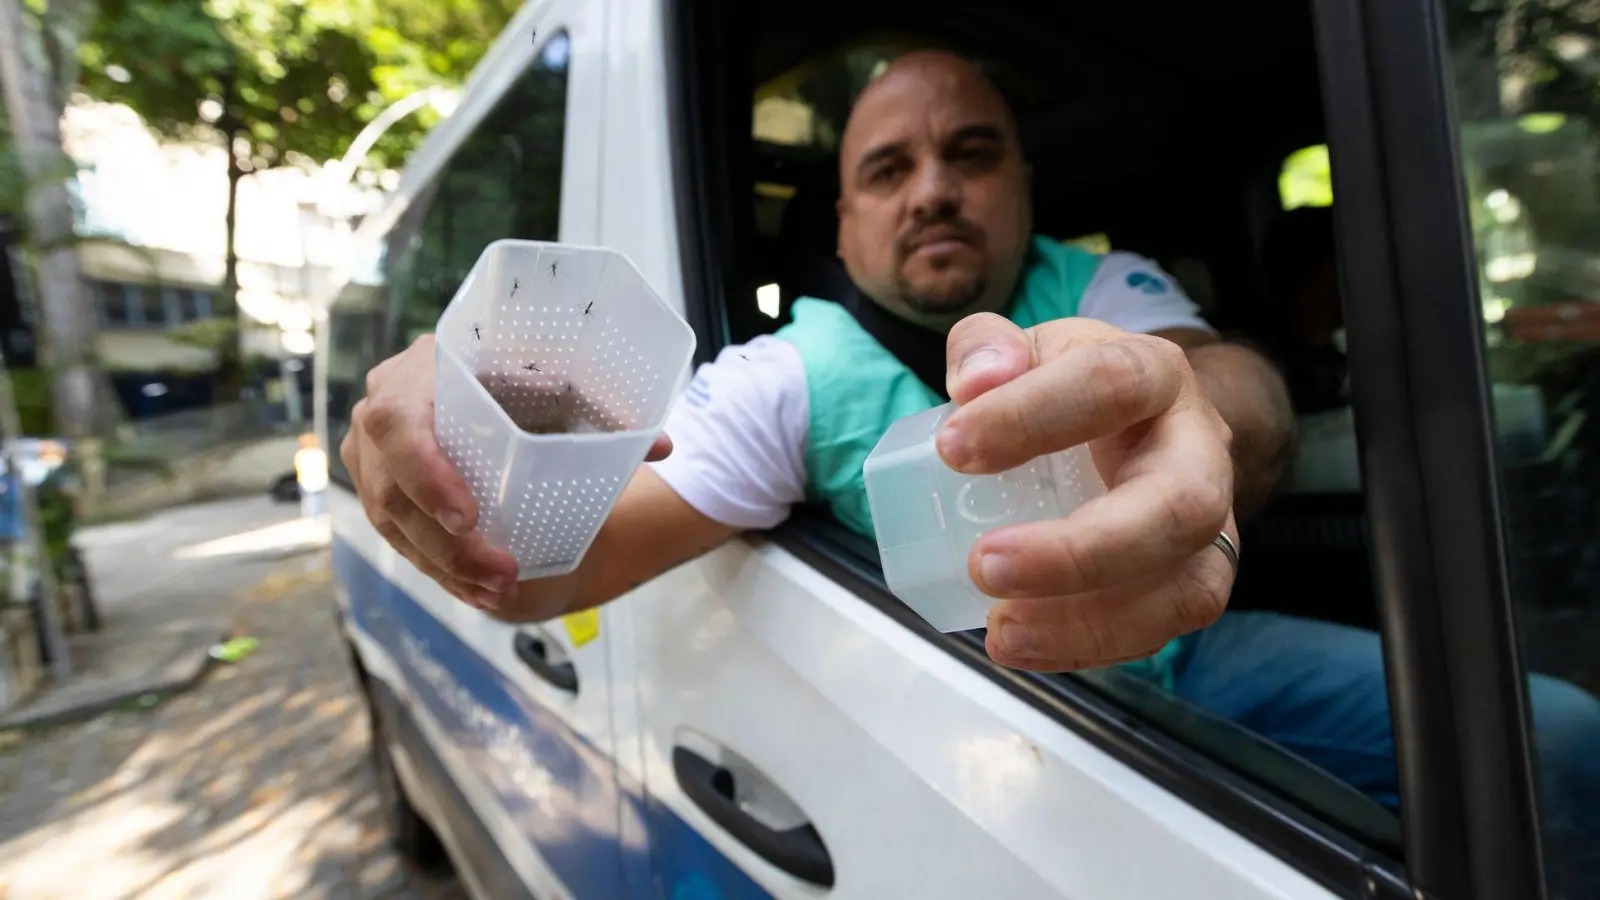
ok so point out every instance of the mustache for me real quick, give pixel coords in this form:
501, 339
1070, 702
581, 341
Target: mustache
941, 229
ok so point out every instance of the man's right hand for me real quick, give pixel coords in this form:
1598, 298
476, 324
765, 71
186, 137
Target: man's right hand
411, 492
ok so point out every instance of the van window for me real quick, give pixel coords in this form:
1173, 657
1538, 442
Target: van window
1529, 120
1289, 689
503, 181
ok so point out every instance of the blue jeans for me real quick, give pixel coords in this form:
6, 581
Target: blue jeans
1318, 689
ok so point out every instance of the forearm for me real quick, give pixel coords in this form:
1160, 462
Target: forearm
1251, 397
649, 531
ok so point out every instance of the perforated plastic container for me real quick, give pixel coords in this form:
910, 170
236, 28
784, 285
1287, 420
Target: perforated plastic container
927, 515
557, 366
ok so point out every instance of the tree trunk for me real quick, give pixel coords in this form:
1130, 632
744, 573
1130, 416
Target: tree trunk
79, 393
230, 377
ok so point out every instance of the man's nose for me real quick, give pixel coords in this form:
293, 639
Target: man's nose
935, 192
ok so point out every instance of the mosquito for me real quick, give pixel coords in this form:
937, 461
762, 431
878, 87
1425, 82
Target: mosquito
531, 367
553, 267
477, 331
514, 285
589, 307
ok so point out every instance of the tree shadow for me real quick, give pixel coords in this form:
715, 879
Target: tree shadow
255, 783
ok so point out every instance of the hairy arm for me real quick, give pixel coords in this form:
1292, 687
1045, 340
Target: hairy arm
1251, 397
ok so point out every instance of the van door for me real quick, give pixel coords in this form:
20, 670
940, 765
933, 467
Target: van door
520, 715
544, 751
795, 732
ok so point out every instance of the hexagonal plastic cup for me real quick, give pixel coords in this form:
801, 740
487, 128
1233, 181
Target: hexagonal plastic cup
557, 367
927, 516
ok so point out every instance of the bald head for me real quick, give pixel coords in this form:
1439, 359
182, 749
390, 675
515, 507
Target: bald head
934, 214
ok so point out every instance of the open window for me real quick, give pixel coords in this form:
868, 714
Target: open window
1145, 126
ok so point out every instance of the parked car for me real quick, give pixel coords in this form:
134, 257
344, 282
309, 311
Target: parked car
768, 720
285, 488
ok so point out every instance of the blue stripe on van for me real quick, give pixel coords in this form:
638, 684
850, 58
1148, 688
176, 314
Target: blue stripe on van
546, 775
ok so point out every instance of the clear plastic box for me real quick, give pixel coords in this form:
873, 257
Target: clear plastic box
557, 366
927, 516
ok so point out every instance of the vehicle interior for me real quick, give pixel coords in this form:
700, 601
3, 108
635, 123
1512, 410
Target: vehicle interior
1141, 139
1152, 127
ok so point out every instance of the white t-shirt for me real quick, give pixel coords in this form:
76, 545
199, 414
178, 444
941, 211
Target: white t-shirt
739, 430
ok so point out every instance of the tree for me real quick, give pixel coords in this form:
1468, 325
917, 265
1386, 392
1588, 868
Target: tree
33, 44
268, 79
277, 81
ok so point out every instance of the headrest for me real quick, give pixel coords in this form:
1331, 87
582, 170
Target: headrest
810, 218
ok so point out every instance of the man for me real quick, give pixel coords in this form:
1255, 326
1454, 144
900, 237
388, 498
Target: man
935, 229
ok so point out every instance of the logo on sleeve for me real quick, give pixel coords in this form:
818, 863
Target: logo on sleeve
1146, 283
699, 392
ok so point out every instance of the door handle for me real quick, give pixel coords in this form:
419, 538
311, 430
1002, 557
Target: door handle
536, 655
798, 851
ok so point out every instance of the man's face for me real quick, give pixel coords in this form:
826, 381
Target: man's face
934, 215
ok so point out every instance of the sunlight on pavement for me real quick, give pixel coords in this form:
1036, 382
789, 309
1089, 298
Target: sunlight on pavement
255, 785
294, 534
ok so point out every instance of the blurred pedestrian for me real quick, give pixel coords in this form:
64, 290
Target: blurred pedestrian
311, 473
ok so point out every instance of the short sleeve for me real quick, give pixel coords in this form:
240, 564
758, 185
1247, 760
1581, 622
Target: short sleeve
1134, 294
739, 436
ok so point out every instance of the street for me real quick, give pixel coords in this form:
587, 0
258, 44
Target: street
253, 784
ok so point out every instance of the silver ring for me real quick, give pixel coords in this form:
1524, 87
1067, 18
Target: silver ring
1229, 549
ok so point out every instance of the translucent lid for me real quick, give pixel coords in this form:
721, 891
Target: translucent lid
927, 516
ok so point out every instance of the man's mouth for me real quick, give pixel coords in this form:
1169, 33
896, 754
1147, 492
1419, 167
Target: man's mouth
939, 242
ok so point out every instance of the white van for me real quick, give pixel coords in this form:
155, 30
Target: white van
767, 721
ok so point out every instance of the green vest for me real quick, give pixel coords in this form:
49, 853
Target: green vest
857, 389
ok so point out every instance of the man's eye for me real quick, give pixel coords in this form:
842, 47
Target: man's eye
978, 155
884, 173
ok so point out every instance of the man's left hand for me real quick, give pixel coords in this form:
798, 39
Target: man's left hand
1127, 572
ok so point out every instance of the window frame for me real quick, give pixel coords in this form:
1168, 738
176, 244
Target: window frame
704, 120
1420, 387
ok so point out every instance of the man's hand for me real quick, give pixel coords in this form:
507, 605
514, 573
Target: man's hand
1126, 572
410, 491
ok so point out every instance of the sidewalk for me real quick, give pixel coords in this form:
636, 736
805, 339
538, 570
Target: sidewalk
158, 583
255, 783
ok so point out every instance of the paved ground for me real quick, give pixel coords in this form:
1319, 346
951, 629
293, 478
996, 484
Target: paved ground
162, 619
253, 784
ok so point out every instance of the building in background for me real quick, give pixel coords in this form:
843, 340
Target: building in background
152, 216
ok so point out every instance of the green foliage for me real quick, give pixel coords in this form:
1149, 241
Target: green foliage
30, 390
280, 77
290, 76
12, 191
207, 334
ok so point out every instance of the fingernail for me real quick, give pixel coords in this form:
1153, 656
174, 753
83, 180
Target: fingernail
978, 362
953, 445
453, 521
498, 585
485, 600
998, 573
1017, 638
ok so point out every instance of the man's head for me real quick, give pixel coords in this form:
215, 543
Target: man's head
934, 213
